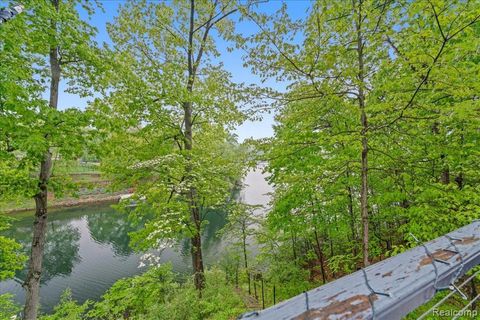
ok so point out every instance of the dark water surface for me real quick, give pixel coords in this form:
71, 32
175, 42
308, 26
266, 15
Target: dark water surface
87, 248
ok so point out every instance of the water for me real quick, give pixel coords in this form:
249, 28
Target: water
87, 248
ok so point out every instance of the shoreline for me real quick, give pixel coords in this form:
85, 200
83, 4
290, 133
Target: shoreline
71, 203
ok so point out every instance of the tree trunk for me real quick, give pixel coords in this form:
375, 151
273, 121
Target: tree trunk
320, 256
445, 177
364, 125
197, 257
32, 282
364, 200
459, 179
352, 216
196, 240
332, 252
236, 277
294, 251
245, 257
445, 174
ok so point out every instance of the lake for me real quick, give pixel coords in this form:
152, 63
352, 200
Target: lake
87, 248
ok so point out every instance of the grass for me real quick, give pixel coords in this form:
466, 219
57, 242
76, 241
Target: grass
85, 174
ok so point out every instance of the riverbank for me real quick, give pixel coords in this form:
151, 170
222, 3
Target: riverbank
92, 189
100, 198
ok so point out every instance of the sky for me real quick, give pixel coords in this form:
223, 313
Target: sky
232, 61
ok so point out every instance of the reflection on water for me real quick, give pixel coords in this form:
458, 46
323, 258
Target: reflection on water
87, 248
61, 249
112, 229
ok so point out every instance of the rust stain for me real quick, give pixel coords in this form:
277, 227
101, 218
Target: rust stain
336, 295
439, 254
466, 240
344, 309
388, 274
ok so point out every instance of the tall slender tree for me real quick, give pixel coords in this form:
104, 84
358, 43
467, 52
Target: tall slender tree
179, 106
55, 43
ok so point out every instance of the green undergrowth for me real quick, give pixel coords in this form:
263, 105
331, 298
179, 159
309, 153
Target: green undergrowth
155, 295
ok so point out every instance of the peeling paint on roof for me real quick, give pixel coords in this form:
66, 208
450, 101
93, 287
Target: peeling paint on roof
440, 254
408, 279
345, 309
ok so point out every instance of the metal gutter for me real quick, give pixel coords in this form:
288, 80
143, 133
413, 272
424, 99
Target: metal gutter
389, 289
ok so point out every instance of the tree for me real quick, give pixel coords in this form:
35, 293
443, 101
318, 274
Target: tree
438, 118
335, 65
361, 72
240, 226
169, 114
53, 42
15, 86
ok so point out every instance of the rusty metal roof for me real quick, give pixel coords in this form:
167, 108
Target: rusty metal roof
390, 288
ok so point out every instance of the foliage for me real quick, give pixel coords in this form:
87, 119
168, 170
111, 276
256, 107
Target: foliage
376, 136
374, 99
156, 295
11, 257
341, 263
230, 263
135, 296
68, 309
29, 127
219, 301
290, 278
8, 308
166, 118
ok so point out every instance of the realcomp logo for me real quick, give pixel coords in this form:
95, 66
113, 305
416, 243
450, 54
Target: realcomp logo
455, 313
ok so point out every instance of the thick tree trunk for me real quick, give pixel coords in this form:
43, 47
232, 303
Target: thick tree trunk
197, 261
364, 125
32, 282
193, 62
196, 240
